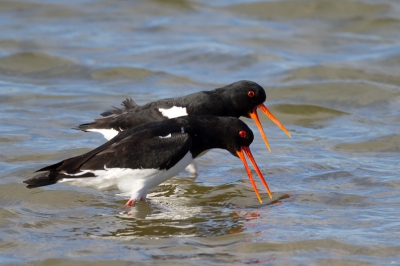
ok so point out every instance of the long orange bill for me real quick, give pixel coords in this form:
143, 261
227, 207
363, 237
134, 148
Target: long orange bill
255, 118
243, 158
253, 162
264, 109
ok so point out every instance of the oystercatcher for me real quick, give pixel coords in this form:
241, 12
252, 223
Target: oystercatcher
143, 157
241, 98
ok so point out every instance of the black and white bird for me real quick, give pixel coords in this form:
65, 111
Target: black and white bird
241, 98
143, 157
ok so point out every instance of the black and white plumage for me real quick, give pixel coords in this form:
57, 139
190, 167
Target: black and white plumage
140, 158
241, 98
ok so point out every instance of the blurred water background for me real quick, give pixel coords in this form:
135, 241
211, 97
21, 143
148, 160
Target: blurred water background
331, 73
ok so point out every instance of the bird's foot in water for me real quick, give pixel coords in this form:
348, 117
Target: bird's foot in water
132, 202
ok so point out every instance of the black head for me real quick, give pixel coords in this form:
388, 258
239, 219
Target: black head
237, 135
245, 96
210, 132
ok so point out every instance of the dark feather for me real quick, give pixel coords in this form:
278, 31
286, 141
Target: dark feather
231, 100
127, 105
129, 119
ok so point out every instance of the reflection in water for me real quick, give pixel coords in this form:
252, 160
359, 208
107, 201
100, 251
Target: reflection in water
190, 212
203, 221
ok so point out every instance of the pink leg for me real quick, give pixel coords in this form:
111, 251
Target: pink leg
130, 203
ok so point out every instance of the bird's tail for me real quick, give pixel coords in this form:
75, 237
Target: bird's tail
104, 122
99, 123
85, 127
42, 179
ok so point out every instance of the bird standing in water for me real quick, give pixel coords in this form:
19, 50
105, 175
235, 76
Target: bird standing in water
143, 157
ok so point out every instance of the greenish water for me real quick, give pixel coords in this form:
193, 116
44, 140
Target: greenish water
331, 73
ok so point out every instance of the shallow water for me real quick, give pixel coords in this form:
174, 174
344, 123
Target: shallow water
331, 73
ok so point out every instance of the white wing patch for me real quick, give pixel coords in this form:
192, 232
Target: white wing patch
107, 133
167, 136
173, 112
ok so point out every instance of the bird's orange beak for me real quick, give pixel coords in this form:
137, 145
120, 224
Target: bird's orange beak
270, 115
243, 158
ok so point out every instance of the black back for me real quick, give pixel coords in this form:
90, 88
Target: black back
231, 100
156, 145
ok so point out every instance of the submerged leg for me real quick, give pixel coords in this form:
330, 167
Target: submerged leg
130, 203
192, 169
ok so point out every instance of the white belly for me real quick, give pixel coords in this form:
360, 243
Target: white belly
136, 182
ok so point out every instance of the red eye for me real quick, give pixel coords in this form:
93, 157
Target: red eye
242, 133
250, 93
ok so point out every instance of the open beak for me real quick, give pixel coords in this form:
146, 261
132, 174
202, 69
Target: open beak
269, 114
253, 162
